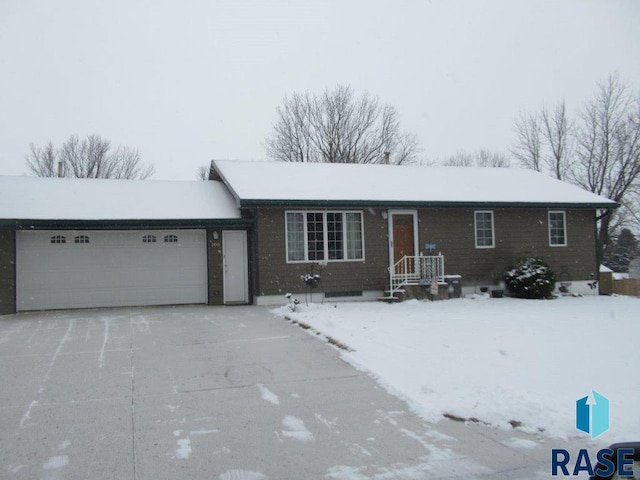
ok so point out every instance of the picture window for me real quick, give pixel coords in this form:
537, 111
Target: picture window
324, 236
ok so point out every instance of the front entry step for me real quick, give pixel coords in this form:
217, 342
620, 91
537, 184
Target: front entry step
423, 292
391, 299
416, 291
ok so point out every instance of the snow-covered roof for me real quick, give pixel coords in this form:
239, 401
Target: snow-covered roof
36, 198
306, 183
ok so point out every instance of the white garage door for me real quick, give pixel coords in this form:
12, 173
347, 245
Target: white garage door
83, 269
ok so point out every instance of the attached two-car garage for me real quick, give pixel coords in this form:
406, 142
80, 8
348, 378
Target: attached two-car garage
82, 269
91, 243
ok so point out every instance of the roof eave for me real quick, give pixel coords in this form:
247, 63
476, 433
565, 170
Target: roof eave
248, 203
124, 223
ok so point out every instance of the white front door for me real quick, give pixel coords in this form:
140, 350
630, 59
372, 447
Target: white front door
234, 251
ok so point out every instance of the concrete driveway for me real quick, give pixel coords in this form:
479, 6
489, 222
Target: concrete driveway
213, 393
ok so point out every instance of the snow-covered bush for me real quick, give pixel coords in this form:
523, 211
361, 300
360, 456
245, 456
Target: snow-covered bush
311, 279
530, 278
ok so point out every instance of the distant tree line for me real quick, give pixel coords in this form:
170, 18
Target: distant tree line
480, 158
90, 157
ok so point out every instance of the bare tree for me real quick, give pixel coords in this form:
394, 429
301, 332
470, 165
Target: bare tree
544, 140
337, 127
91, 157
203, 172
557, 130
481, 158
488, 158
608, 147
528, 147
631, 210
42, 160
459, 159
405, 149
599, 151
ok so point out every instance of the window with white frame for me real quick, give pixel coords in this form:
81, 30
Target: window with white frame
81, 239
557, 229
484, 229
324, 236
58, 239
149, 239
170, 239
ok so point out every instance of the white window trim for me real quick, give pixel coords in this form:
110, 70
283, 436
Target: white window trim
475, 229
564, 225
325, 245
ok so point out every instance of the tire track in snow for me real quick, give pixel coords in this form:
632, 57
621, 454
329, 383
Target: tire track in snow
63, 340
104, 343
37, 330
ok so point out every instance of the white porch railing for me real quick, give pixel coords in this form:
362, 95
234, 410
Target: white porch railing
414, 270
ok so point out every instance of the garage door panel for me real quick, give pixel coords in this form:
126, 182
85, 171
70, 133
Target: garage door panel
115, 269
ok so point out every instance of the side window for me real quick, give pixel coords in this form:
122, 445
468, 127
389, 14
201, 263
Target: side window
170, 239
557, 229
295, 237
149, 239
353, 222
484, 229
81, 239
58, 239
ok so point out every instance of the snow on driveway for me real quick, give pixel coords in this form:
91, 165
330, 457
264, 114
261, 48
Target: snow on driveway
504, 361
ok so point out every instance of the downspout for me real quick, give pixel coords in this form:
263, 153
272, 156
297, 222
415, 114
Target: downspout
607, 212
255, 270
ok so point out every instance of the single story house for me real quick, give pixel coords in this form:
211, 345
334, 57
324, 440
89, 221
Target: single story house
255, 230
354, 224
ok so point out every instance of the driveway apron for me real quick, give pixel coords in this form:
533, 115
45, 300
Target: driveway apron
211, 393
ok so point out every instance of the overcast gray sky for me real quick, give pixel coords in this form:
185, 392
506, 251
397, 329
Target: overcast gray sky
189, 81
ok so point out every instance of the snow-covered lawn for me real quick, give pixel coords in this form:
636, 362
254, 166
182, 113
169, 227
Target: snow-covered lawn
497, 360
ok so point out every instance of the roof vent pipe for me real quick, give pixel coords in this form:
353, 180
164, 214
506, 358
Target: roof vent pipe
60, 169
386, 157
